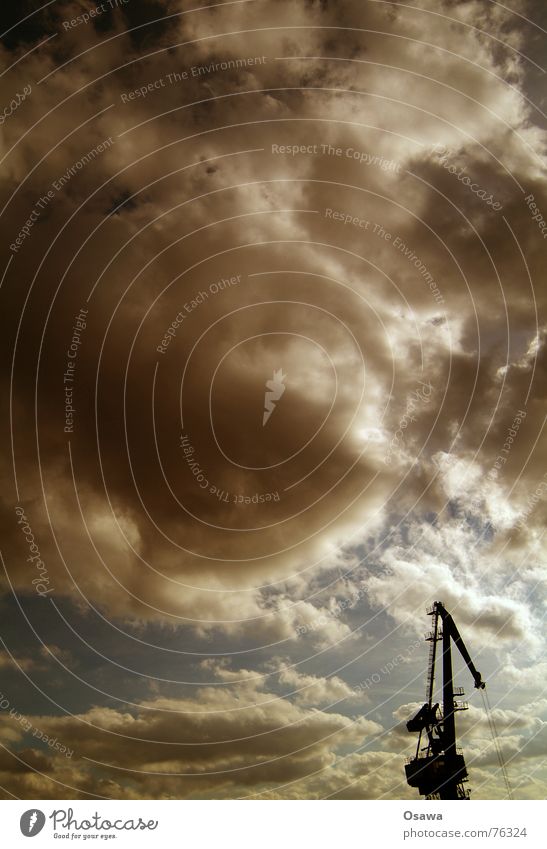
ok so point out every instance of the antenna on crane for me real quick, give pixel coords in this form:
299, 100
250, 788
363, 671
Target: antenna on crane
438, 770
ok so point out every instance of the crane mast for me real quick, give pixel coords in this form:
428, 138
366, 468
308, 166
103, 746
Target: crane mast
438, 769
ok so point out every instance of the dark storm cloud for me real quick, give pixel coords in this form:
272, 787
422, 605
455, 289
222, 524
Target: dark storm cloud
134, 478
25, 22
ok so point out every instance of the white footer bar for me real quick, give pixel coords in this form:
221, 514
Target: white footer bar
275, 824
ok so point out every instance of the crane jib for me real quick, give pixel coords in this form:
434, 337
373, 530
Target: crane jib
438, 769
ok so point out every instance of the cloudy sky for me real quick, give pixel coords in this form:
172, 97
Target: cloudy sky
333, 213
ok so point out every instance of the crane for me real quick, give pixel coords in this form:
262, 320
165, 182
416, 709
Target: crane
438, 770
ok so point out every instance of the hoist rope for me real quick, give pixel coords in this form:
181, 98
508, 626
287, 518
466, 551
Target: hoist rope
494, 733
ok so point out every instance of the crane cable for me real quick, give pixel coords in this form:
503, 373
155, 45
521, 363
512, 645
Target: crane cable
493, 731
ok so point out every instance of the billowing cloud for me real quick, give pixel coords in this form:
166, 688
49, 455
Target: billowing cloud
334, 215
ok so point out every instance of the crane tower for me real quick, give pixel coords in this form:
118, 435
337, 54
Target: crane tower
438, 769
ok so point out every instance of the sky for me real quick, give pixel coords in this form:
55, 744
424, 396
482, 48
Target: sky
273, 373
